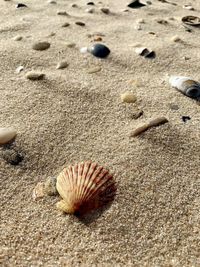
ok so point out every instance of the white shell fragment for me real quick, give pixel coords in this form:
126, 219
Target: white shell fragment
128, 97
6, 135
19, 69
185, 85
83, 50
62, 65
31, 75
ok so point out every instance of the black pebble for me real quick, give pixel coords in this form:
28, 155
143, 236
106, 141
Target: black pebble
185, 118
20, 5
136, 4
99, 50
12, 156
90, 3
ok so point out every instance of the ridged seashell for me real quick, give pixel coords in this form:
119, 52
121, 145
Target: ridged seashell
84, 187
191, 20
7, 135
185, 85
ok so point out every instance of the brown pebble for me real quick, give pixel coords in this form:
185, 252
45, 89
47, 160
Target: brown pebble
41, 46
137, 114
97, 39
38, 191
31, 75
50, 186
65, 25
93, 69
79, 23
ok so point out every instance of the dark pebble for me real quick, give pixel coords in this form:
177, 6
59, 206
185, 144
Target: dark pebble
185, 118
80, 23
12, 156
90, 3
136, 4
99, 50
20, 5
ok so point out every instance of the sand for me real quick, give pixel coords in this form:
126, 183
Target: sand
72, 115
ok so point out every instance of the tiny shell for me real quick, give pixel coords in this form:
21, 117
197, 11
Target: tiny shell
62, 65
185, 85
128, 97
94, 69
31, 75
84, 187
20, 69
39, 46
7, 135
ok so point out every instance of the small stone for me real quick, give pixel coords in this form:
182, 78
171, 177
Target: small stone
99, 50
50, 186
62, 65
128, 97
140, 21
74, 5
186, 58
185, 118
97, 39
70, 45
80, 23
20, 69
53, 2
175, 39
31, 75
162, 21
90, 3
138, 27
136, 4
137, 114
105, 10
20, 5
18, 38
7, 135
93, 69
188, 7
66, 24
38, 191
173, 106
62, 13
12, 156
40, 46
83, 50
90, 10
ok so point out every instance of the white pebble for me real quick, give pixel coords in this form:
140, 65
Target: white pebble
62, 65
19, 69
83, 50
128, 97
31, 75
6, 135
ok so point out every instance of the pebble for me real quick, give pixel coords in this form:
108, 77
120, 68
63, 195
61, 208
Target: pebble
138, 27
105, 10
99, 50
137, 114
162, 21
97, 39
52, 2
173, 106
90, 10
185, 118
62, 65
38, 191
66, 24
128, 97
93, 69
31, 75
19, 5
188, 7
175, 39
7, 135
80, 23
135, 4
62, 13
145, 52
90, 3
19, 69
18, 38
50, 186
70, 45
12, 156
83, 50
39, 46
74, 5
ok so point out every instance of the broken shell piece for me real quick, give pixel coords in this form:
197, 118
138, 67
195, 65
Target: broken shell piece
31, 75
153, 123
38, 191
191, 20
84, 187
94, 69
7, 135
83, 50
128, 97
20, 69
145, 52
50, 186
185, 85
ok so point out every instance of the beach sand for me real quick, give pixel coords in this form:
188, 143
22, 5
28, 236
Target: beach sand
72, 116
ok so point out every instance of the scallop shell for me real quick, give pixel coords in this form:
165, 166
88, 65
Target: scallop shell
186, 85
84, 187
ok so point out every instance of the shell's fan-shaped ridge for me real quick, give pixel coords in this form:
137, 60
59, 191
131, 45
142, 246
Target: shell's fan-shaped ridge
84, 187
